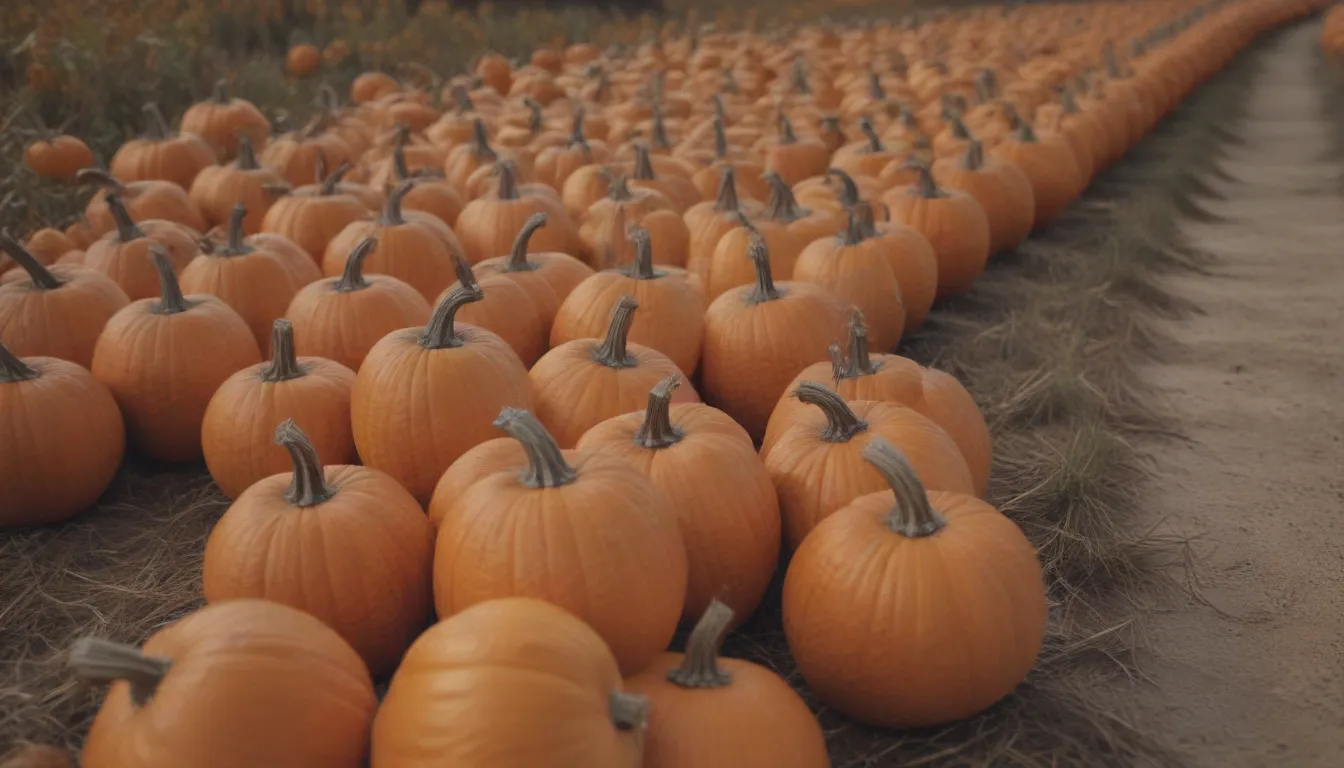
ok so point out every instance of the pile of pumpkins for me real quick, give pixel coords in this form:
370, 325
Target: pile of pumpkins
567, 364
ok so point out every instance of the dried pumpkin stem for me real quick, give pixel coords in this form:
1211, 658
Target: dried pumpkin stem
643, 163
720, 139
726, 201
99, 177
235, 244
95, 660
284, 364
42, 277
12, 369
629, 711
839, 366
642, 267
480, 141
875, 90
657, 430
958, 128
331, 182
221, 92
126, 228
765, 288
849, 189
576, 135
618, 188
853, 233
309, 486
912, 516
700, 666
247, 154
786, 134
612, 351
156, 127
842, 424
974, 159
925, 187
659, 132
352, 279
875, 145
546, 465
171, 300
399, 166
534, 119
392, 215
508, 180
518, 256
1067, 101
440, 333
1025, 134
860, 363
781, 205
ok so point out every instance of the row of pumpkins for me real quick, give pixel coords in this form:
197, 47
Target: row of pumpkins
507, 346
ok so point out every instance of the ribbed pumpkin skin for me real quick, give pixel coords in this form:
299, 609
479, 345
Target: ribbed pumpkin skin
128, 263
299, 693
343, 326
1003, 191
957, 228
536, 695
63, 322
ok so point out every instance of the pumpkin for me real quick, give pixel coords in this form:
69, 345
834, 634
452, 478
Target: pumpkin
467, 158
123, 254
758, 336
485, 459
932, 393
340, 319
61, 439
805, 224
706, 466
962, 601
954, 224
161, 154
57, 156
506, 311
164, 358
303, 60
1049, 164
424, 396
676, 187
279, 538
299, 266
548, 277
560, 509
311, 390
300, 156
218, 188
1002, 189
312, 216
867, 157
584, 381
431, 193
488, 224
224, 121
46, 246
795, 159
372, 86
708, 222
706, 711
416, 248
253, 281
150, 199
673, 301
854, 268
816, 464
284, 690
555, 163
605, 227
56, 311
748, 173
544, 692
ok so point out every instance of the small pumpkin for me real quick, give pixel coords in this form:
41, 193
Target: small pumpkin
705, 464
675, 186
544, 692
285, 690
963, 602
424, 396
488, 224
584, 381
431, 194
57, 156
954, 224
311, 390
161, 154
224, 121
708, 711
548, 276
867, 157
299, 156
61, 439
149, 199
279, 538
312, 216
748, 173
1049, 164
341, 318
795, 159
708, 222
218, 188
554, 164
605, 226
631, 595
123, 254
467, 158
303, 60
164, 358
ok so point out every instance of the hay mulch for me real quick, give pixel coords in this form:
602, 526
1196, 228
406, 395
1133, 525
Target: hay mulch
1047, 343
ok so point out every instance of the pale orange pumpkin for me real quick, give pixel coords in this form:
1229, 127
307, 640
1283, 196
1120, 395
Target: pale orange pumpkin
548, 276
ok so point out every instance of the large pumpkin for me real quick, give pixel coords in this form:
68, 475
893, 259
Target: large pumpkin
548, 276
219, 188
855, 268
123, 254
954, 224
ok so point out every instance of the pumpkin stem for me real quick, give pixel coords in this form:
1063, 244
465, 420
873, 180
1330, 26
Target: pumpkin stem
875, 90
700, 665
786, 134
43, 279
1025, 134
839, 366
799, 78
462, 98
508, 180
534, 121
926, 187
440, 334
831, 124
480, 141
629, 711
659, 132
284, 363
643, 163
618, 188
392, 215
309, 486
853, 233
612, 351
235, 245
958, 128
912, 516
95, 660
781, 205
352, 279
99, 177
221, 92
726, 198
12, 369
576, 137
875, 144
330, 183
642, 267
518, 256
765, 288
126, 228
171, 300
720, 139
849, 189
155, 126
657, 431
399, 165
842, 424
546, 465
247, 154
860, 363
974, 159
1067, 100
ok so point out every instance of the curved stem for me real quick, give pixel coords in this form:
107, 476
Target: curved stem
156, 127
440, 334
12, 369
875, 145
849, 189
854, 232
720, 139
974, 159
392, 215
546, 464
247, 154
330, 183
171, 300
699, 667
480, 141
95, 660
576, 137
42, 277
99, 177
859, 362
399, 166
786, 134
534, 120
284, 363
781, 205
842, 424
235, 244
352, 278
508, 180
618, 188
629, 711
612, 351
926, 187
911, 516
126, 228
643, 163
657, 431
517, 261
957, 127
642, 268
309, 486
726, 199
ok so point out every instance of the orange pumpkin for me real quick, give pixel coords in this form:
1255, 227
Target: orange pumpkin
506, 311
954, 224
123, 254
150, 199
312, 216
548, 276
57, 156
219, 188
1002, 189
224, 121
161, 154
488, 224
1049, 164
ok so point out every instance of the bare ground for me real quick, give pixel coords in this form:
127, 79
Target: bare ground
1248, 668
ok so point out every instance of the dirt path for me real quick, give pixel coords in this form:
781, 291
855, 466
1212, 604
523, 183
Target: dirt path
1255, 675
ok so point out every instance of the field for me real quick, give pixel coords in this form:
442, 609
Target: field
1071, 342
